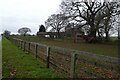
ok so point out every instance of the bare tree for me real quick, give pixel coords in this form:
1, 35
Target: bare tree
24, 30
56, 22
97, 15
110, 20
84, 12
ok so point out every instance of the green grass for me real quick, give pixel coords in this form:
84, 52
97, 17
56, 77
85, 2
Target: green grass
24, 65
108, 49
114, 38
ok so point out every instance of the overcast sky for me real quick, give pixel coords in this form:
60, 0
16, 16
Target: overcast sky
15, 14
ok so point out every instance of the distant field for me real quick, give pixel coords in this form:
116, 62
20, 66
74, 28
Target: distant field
18, 64
108, 49
114, 38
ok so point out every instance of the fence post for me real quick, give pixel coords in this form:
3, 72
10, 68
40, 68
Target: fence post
29, 47
36, 47
21, 44
48, 56
24, 45
15, 41
72, 67
18, 43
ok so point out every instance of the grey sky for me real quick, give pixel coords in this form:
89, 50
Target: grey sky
15, 14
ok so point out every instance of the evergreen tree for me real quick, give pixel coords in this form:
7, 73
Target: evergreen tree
42, 28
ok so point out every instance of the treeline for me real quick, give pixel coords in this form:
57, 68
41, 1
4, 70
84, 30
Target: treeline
98, 19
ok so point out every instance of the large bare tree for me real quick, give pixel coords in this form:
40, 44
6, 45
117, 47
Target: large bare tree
94, 15
56, 23
84, 12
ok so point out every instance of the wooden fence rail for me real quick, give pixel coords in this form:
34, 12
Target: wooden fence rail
72, 63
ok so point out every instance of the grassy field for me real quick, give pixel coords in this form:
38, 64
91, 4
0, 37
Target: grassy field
108, 49
17, 64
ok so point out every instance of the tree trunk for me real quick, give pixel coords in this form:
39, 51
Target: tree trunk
92, 32
92, 27
58, 34
118, 33
99, 34
107, 35
24, 34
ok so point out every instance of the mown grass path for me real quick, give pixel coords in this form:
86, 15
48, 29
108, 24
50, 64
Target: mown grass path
17, 64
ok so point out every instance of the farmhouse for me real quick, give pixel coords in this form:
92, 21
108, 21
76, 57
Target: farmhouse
49, 34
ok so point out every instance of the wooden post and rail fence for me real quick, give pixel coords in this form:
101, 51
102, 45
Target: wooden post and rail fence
72, 63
